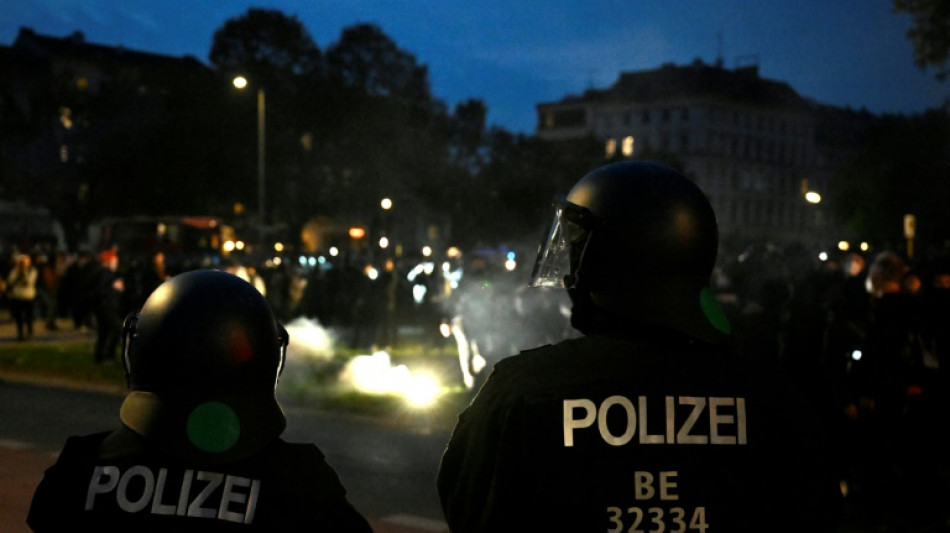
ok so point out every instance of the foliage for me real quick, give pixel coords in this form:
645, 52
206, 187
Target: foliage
265, 42
368, 60
900, 170
930, 32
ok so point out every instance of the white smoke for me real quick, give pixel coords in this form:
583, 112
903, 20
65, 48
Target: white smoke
311, 347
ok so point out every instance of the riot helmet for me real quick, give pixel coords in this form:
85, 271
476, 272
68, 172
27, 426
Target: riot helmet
634, 240
202, 359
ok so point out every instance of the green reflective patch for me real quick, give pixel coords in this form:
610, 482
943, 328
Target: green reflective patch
213, 427
713, 311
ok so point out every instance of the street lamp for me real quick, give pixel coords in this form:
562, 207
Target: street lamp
240, 82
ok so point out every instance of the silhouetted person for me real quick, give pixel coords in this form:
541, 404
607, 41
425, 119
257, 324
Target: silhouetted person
104, 291
200, 446
649, 421
21, 295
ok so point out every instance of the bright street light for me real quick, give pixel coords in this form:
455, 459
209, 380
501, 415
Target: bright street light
240, 82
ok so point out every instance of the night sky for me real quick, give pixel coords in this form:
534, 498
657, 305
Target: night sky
513, 55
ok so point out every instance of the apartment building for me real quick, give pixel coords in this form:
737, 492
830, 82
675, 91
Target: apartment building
751, 143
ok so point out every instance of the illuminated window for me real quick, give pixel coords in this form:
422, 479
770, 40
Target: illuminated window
627, 146
611, 147
66, 117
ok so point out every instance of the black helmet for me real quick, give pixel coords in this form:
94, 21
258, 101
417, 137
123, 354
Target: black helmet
638, 240
202, 359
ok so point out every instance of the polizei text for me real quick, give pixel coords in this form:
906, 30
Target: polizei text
194, 493
726, 419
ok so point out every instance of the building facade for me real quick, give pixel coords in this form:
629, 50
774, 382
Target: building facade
751, 143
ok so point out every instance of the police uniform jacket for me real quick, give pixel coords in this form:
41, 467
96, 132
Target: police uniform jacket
664, 433
110, 482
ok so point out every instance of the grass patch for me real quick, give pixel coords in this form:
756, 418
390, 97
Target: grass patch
72, 361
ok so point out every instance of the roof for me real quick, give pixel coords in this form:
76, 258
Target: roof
670, 82
75, 47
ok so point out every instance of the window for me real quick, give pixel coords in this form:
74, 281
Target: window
627, 146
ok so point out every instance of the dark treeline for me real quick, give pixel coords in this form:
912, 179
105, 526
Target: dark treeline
345, 127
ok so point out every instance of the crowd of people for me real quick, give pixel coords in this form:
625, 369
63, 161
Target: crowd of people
859, 336
90, 291
862, 335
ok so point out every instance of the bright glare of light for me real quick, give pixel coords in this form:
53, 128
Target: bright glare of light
375, 374
452, 276
856, 355
334, 251
303, 260
812, 197
386, 203
422, 390
357, 233
278, 261
844, 246
865, 246
239, 245
419, 293
228, 246
426, 251
371, 272
383, 242
823, 256
453, 251
429, 267
240, 82
510, 265
278, 247
322, 260
445, 330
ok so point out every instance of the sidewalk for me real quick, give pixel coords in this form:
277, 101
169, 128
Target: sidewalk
22, 467
64, 332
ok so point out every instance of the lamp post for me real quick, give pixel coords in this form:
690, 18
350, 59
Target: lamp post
240, 82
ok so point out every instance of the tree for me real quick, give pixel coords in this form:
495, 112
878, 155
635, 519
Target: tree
900, 170
268, 42
276, 53
366, 59
930, 33
467, 135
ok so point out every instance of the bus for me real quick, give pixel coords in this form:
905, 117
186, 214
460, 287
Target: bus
186, 241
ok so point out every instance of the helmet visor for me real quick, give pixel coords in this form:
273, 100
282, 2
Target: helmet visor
566, 235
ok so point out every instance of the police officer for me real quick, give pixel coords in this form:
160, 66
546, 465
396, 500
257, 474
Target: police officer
648, 422
199, 447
